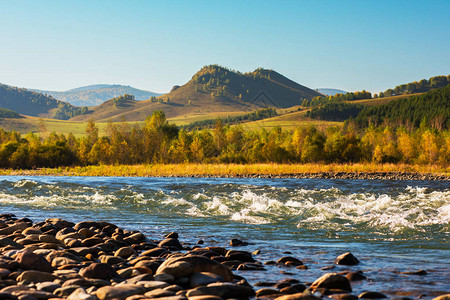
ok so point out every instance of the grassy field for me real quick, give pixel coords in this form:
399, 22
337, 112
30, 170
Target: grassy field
228, 169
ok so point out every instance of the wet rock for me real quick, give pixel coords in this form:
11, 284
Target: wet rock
165, 277
81, 294
224, 290
419, 272
371, 295
170, 243
355, 276
204, 278
242, 256
290, 261
119, 291
346, 259
31, 261
332, 281
250, 267
294, 289
99, 271
172, 235
35, 276
237, 242
198, 263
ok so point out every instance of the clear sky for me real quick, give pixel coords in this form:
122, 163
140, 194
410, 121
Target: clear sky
153, 45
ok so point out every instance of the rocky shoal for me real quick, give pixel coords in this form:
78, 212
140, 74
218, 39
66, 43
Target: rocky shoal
90, 260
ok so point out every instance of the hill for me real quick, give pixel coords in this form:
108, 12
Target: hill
32, 103
330, 92
93, 95
213, 89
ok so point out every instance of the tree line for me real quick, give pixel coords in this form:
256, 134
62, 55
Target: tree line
161, 142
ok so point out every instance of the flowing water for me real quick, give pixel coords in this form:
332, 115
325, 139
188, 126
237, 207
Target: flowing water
390, 226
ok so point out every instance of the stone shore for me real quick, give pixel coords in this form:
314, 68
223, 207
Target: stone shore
91, 260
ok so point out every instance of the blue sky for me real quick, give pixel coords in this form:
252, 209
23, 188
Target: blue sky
153, 45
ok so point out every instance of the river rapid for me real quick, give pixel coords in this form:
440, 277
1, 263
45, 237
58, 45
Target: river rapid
390, 226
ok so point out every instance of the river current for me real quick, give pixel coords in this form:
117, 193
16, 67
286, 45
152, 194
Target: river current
390, 226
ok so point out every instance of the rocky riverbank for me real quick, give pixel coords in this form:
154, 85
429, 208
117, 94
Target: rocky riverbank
57, 259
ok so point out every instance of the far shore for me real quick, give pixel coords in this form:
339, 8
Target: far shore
344, 171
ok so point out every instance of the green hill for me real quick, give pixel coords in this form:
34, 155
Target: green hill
212, 90
93, 95
32, 103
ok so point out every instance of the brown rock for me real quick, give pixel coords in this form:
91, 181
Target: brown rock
290, 261
343, 296
158, 293
99, 271
125, 252
224, 290
14, 227
154, 252
266, 291
442, 297
199, 264
35, 276
81, 294
346, 259
332, 281
170, 243
204, 278
31, 261
119, 291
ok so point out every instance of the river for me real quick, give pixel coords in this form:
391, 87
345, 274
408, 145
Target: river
390, 226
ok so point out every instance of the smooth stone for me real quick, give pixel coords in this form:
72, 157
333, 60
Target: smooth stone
155, 252
7, 296
35, 276
65, 291
81, 294
99, 271
165, 277
199, 264
47, 286
31, 261
293, 289
6, 241
92, 241
290, 261
142, 277
110, 259
154, 284
170, 242
34, 294
11, 229
355, 276
158, 293
4, 272
46, 238
224, 290
204, 278
332, 281
346, 259
298, 296
419, 272
119, 291
31, 230
371, 295
242, 256
237, 242
14, 288
266, 291
177, 269
250, 267
125, 252
61, 261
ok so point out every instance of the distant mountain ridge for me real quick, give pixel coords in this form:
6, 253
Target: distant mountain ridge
93, 95
330, 92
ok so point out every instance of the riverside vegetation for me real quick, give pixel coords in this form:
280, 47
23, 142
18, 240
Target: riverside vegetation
159, 142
